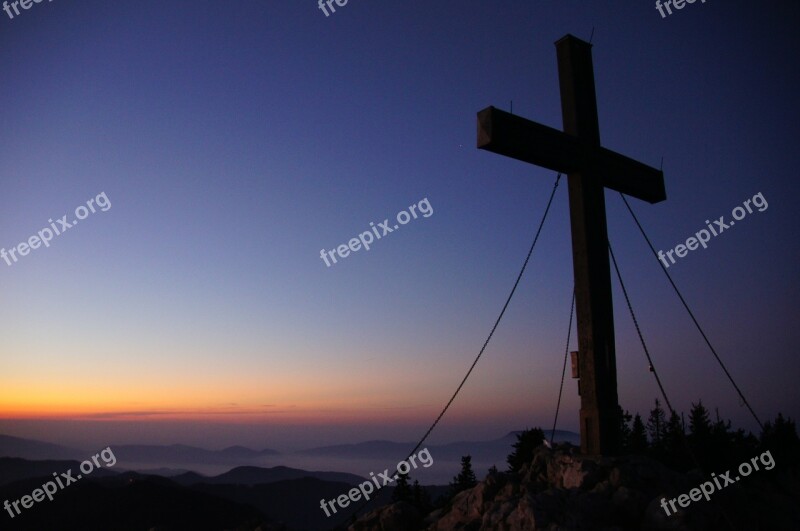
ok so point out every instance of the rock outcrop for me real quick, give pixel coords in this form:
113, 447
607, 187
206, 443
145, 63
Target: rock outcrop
560, 490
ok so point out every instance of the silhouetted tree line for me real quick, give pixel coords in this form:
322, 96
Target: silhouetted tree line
714, 444
414, 494
419, 497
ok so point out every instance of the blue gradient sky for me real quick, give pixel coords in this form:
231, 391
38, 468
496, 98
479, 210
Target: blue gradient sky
236, 141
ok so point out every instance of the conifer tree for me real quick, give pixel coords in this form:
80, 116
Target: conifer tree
402, 492
624, 429
780, 438
674, 444
656, 425
466, 478
420, 498
527, 442
638, 438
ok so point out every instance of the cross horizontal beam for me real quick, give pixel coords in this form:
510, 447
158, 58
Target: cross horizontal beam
516, 137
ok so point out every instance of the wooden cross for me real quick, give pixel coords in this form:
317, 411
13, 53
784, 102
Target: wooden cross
590, 168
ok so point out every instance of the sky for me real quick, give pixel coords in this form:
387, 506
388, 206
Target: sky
228, 144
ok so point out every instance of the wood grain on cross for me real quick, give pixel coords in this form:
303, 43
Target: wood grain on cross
590, 168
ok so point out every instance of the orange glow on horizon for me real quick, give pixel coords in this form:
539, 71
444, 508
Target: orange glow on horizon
324, 413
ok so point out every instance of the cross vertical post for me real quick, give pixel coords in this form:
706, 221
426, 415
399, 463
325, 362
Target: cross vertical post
599, 423
590, 168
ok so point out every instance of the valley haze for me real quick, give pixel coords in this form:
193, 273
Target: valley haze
356, 459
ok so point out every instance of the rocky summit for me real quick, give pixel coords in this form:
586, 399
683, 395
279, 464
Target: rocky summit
561, 490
